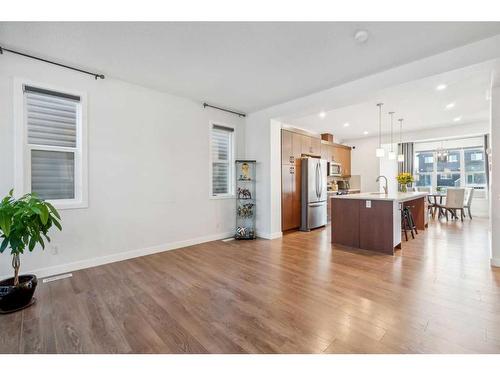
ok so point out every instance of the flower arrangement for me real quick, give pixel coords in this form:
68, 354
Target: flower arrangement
404, 179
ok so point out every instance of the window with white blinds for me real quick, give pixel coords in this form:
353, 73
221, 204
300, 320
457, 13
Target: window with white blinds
53, 122
222, 160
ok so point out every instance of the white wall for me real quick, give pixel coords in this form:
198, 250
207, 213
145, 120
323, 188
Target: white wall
495, 173
263, 144
148, 171
389, 169
364, 162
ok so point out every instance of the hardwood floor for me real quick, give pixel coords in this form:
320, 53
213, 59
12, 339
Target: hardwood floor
298, 294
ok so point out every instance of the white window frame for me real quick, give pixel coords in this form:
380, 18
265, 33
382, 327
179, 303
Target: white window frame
22, 150
232, 153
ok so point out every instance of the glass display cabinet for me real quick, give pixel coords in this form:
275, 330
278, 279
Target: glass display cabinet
245, 199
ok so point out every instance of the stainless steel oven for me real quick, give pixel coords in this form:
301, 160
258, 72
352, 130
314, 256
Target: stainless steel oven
334, 169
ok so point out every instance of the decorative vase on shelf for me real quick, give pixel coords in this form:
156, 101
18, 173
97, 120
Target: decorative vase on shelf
403, 188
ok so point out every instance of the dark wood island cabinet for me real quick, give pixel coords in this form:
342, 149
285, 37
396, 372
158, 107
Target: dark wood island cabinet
372, 221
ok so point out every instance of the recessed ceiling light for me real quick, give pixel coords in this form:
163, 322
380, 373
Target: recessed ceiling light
450, 105
322, 114
365, 132
346, 125
441, 87
457, 119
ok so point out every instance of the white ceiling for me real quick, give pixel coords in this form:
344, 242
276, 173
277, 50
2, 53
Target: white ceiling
418, 103
245, 66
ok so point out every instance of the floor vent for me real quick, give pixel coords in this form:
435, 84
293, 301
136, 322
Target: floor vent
58, 277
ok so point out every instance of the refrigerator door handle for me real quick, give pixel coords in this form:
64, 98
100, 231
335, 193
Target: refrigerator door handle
317, 180
320, 178
316, 204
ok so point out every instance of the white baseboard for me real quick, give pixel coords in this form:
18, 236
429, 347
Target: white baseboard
93, 262
495, 262
270, 236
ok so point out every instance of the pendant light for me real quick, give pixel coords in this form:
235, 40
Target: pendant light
392, 154
401, 156
379, 152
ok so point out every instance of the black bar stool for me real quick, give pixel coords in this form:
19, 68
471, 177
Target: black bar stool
407, 222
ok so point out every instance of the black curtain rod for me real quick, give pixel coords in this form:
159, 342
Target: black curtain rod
95, 75
223, 109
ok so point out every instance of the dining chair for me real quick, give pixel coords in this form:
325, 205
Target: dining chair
454, 203
469, 192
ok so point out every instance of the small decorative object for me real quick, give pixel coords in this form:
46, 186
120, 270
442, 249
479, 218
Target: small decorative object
245, 172
245, 199
245, 210
244, 193
23, 223
404, 179
241, 231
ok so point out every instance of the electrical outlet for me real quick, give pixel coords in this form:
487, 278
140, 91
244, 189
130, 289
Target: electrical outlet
54, 250
368, 204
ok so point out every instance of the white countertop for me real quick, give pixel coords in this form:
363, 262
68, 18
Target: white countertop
335, 191
400, 197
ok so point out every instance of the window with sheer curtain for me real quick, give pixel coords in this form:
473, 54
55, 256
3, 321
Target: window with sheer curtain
222, 161
52, 154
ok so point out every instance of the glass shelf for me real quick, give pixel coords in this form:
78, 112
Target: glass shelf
245, 201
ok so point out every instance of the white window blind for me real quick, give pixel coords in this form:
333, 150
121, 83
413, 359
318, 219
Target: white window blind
222, 160
52, 120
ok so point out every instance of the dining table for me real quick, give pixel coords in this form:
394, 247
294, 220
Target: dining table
435, 200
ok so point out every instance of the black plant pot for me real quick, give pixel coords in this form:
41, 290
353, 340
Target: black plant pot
14, 298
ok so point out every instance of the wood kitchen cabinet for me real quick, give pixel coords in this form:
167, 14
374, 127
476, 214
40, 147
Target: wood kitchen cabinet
336, 154
342, 154
315, 146
310, 145
292, 146
345, 157
290, 196
297, 196
296, 145
287, 188
326, 152
286, 148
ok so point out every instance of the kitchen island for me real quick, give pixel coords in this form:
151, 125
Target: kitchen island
372, 221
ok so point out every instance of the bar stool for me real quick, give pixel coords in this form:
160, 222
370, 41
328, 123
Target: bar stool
407, 222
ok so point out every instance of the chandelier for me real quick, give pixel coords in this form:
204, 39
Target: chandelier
442, 154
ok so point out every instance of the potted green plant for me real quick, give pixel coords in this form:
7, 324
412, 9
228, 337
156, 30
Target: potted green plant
24, 223
404, 179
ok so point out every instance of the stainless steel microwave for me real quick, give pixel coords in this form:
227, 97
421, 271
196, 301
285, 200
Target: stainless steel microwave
334, 169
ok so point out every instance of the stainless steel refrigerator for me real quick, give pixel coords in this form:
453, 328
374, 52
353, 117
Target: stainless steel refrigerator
314, 195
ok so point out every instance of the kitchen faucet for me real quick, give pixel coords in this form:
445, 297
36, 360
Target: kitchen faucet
385, 187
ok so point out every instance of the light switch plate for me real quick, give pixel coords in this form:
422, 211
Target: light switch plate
368, 204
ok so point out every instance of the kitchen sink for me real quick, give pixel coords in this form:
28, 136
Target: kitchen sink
378, 194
